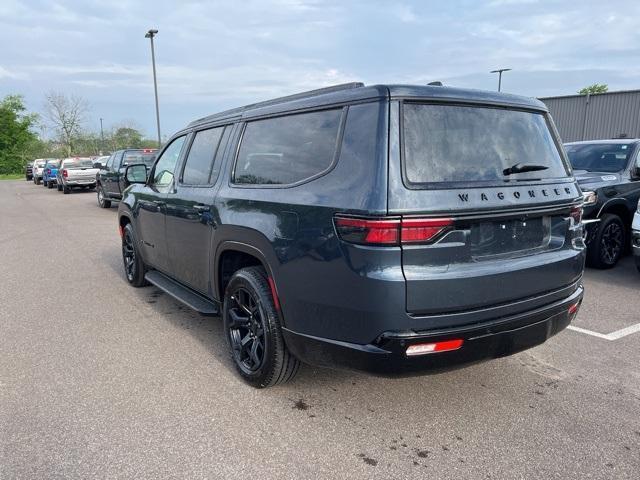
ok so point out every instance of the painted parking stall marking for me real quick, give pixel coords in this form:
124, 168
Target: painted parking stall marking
618, 334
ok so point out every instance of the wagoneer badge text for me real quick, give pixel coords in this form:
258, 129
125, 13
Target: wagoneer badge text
517, 194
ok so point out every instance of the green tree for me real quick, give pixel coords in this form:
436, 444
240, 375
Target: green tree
593, 89
16, 134
126, 137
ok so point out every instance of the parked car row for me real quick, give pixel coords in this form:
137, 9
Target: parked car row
389, 229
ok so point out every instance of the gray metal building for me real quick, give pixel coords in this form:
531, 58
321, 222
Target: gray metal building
599, 116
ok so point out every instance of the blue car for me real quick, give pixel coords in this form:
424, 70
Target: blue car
50, 172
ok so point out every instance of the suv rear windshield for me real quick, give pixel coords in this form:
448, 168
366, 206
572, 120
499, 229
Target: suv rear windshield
131, 158
599, 157
453, 143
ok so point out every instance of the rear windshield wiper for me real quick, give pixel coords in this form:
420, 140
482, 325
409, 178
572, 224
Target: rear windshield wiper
523, 167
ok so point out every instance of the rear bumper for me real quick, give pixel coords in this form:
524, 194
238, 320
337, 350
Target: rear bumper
635, 237
482, 341
80, 183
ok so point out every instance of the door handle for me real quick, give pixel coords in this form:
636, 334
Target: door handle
201, 208
159, 203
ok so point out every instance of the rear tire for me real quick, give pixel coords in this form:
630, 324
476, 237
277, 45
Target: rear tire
50, 185
66, 190
59, 187
102, 200
44, 183
134, 267
253, 331
608, 245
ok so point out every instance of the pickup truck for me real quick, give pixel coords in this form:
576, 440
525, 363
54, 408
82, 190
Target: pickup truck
110, 178
76, 173
608, 172
37, 169
50, 172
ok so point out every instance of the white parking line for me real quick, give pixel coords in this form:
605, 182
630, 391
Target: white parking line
609, 336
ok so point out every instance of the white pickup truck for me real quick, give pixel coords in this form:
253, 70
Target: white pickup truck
76, 173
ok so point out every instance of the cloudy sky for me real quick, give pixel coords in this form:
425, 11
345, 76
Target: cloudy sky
213, 55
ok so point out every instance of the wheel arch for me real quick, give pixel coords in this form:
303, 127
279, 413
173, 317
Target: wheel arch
231, 255
617, 207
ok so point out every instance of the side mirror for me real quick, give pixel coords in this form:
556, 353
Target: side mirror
97, 165
136, 173
635, 172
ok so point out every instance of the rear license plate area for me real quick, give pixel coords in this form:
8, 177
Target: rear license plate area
508, 237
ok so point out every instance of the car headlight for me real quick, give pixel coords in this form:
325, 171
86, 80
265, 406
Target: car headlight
589, 198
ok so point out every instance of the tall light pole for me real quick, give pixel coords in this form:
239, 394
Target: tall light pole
101, 137
499, 72
150, 34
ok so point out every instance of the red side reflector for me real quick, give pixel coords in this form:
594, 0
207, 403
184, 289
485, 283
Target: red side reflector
274, 294
121, 231
436, 347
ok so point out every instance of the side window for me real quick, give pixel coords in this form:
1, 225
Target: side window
110, 162
286, 150
166, 164
200, 165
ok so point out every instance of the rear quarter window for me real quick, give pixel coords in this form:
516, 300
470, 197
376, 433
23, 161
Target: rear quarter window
453, 143
289, 149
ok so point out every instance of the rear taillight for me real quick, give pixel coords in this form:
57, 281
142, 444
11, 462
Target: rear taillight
389, 232
65, 174
576, 214
48, 171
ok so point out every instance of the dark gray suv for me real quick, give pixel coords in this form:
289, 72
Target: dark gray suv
391, 229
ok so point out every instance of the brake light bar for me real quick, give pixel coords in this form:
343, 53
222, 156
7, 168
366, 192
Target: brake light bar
391, 231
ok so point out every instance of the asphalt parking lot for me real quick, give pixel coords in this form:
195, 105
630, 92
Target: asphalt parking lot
100, 380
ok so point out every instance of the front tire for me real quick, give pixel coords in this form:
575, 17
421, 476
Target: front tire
608, 245
102, 200
253, 331
134, 267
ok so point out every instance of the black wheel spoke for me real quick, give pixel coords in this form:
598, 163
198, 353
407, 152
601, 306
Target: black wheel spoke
246, 329
236, 320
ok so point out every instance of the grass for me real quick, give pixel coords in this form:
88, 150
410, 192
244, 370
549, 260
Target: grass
11, 176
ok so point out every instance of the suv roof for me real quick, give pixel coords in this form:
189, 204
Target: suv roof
351, 92
612, 140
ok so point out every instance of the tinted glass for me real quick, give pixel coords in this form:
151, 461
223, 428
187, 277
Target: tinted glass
288, 149
131, 158
199, 164
163, 172
599, 157
53, 163
446, 143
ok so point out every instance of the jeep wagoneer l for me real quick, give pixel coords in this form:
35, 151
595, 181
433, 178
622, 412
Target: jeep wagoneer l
392, 229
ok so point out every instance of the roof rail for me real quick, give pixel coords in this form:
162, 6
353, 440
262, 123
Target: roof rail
275, 101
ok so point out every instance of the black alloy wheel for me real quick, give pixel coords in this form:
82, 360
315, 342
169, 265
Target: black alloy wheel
611, 243
608, 244
246, 330
253, 331
134, 267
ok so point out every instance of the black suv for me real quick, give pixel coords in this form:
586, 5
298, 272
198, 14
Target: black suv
608, 172
390, 229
